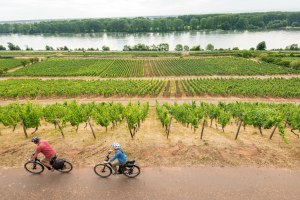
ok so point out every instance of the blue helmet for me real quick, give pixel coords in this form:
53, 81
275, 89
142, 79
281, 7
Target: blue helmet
35, 140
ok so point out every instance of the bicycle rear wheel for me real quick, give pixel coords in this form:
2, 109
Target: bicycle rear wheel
103, 170
67, 167
34, 167
132, 172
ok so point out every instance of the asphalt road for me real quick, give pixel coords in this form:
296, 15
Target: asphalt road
154, 183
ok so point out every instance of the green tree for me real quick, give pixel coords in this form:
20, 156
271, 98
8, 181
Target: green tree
49, 48
261, 46
210, 47
105, 48
196, 48
292, 47
2, 48
186, 48
179, 47
13, 47
194, 23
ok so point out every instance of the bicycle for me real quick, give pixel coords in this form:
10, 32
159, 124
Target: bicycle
37, 167
128, 169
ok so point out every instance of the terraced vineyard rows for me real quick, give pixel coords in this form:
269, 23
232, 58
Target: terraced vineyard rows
251, 87
66, 67
273, 87
151, 67
214, 66
6, 64
75, 88
124, 68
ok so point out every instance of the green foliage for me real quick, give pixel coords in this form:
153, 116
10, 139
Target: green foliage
105, 48
223, 118
196, 48
210, 47
2, 48
243, 21
75, 114
57, 115
135, 114
30, 115
144, 47
10, 115
72, 88
262, 116
101, 115
13, 47
295, 64
292, 47
261, 46
272, 87
6, 64
164, 116
152, 67
179, 47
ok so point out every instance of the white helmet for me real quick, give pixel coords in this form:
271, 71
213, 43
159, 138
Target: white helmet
116, 146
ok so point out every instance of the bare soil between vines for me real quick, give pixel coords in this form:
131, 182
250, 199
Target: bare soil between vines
285, 76
151, 148
151, 100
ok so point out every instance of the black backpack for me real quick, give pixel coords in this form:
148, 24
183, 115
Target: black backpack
58, 164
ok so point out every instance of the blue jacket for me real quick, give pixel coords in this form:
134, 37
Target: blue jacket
120, 155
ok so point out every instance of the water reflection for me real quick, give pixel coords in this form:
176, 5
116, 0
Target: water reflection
116, 41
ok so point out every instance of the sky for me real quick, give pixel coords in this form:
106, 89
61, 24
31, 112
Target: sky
61, 9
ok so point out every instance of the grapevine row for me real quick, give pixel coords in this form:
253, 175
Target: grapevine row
259, 115
29, 115
33, 88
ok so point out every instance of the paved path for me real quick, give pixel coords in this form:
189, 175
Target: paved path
154, 183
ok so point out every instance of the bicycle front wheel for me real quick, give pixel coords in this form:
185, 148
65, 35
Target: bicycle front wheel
34, 167
132, 172
66, 168
103, 170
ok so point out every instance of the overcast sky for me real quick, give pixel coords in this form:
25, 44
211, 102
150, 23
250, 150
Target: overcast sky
59, 9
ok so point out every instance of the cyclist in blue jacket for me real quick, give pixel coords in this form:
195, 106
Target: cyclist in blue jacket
119, 158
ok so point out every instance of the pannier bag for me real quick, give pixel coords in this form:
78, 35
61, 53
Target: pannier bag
58, 164
130, 163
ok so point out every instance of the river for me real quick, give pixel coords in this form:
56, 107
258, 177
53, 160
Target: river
116, 41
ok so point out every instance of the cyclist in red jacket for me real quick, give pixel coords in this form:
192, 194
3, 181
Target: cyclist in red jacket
44, 148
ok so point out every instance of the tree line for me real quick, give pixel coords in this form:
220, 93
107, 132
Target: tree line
242, 21
141, 47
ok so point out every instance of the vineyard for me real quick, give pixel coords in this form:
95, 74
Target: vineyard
6, 64
108, 67
251, 87
258, 115
35, 88
105, 114
158, 133
196, 116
